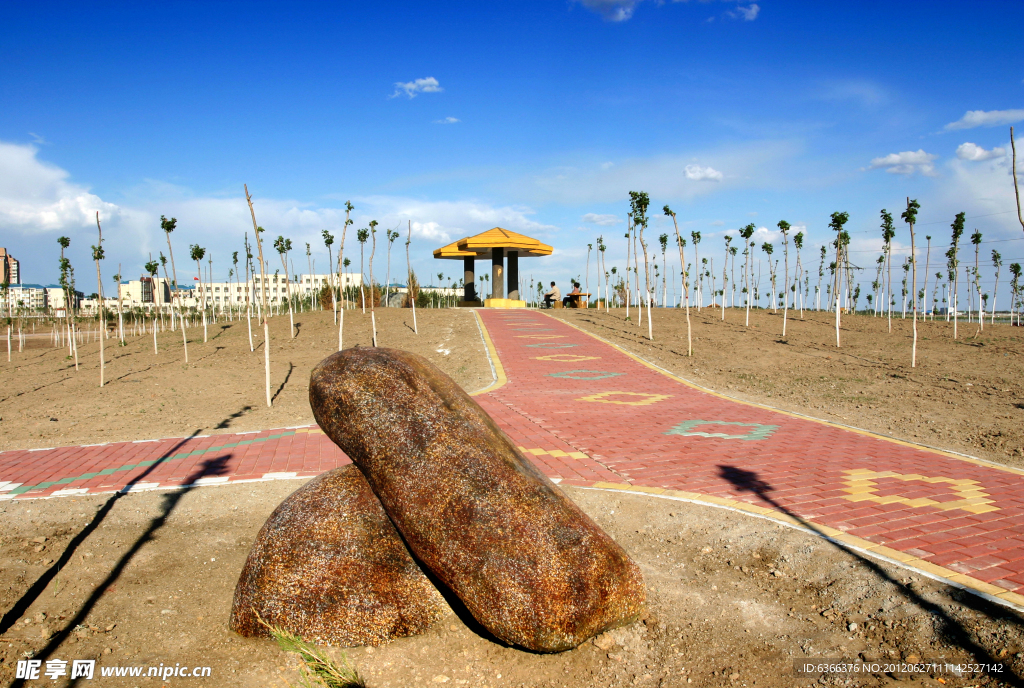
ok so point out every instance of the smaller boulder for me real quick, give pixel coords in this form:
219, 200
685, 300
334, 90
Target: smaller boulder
329, 566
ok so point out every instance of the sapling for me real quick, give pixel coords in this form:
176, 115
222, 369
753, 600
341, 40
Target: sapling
1015, 272
629, 229
976, 240
953, 265
283, 246
409, 279
373, 249
784, 227
1016, 189
120, 316
361, 236
68, 287
328, 242
927, 267
197, 252
997, 262
747, 232
836, 224
248, 288
663, 240
263, 294
686, 288
602, 248
97, 255
798, 242
589, 248
888, 232
343, 263
696, 261
910, 217
640, 201
769, 249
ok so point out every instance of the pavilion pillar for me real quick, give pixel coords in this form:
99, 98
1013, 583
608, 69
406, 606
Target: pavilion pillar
497, 273
513, 275
469, 278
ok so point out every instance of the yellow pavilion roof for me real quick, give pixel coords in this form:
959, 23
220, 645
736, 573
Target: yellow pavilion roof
480, 246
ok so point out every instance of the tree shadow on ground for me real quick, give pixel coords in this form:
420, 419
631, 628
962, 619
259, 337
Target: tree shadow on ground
287, 377
210, 467
948, 628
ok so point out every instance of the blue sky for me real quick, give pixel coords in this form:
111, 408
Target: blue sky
535, 116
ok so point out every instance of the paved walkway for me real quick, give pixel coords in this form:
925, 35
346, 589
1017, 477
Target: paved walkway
590, 414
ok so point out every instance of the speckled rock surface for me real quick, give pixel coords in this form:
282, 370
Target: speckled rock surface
329, 566
528, 564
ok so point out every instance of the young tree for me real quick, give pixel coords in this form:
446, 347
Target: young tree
663, 240
725, 273
798, 242
283, 246
927, 267
97, 255
1016, 188
784, 227
953, 266
410, 278
976, 240
169, 226
747, 232
263, 296
68, 287
343, 263
686, 287
910, 217
888, 232
997, 262
695, 236
602, 248
836, 224
361, 236
629, 230
197, 252
391, 234
639, 200
120, 311
1015, 272
373, 249
249, 290
328, 242
769, 249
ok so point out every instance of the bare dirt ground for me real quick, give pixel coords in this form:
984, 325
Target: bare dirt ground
147, 578
965, 395
732, 601
45, 402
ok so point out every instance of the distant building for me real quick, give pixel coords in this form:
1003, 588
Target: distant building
26, 297
55, 299
10, 266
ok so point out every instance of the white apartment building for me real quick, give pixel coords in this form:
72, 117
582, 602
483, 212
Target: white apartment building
25, 297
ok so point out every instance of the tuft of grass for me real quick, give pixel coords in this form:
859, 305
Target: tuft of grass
318, 669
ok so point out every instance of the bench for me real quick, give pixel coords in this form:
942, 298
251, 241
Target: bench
576, 299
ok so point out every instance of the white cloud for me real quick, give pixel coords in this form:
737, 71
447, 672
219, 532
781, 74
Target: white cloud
970, 151
698, 173
748, 13
906, 162
447, 120
603, 220
411, 88
36, 197
612, 10
38, 203
981, 118
718, 223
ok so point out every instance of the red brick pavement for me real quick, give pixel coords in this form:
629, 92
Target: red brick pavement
651, 430
589, 414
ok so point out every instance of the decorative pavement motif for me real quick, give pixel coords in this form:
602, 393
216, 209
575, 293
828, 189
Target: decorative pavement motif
948, 516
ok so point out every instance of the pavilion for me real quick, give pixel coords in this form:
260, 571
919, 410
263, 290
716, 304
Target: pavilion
496, 244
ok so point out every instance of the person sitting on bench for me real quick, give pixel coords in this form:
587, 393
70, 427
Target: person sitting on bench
573, 295
552, 296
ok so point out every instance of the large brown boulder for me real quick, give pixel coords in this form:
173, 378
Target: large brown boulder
329, 566
528, 564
